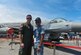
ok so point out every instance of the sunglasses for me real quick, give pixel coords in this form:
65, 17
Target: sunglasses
28, 18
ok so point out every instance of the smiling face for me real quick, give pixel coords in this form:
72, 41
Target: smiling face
38, 23
28, 18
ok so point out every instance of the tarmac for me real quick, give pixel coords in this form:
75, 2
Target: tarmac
6, 50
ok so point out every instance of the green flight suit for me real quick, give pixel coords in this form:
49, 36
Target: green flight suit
27, 32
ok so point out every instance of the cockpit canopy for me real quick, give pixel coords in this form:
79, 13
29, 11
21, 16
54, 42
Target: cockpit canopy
58, 20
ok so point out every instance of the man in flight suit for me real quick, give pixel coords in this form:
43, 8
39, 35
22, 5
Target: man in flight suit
26, 36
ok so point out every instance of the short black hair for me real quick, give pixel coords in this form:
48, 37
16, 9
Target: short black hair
38, 19
29, 15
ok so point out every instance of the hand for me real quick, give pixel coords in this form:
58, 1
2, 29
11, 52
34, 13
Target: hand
39, 45
22, 45
38, 49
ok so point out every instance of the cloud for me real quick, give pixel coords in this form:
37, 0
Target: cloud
9, 14
16, 10
20, 8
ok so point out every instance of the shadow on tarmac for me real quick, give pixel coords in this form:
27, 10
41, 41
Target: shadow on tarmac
71, 51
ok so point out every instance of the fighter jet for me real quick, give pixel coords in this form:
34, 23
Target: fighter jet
52, 28
55, 25
62, 25
5, 27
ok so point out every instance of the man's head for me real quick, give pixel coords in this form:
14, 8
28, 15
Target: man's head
28, 18
38, 21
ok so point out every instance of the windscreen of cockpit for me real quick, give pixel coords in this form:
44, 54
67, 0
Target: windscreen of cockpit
58, 20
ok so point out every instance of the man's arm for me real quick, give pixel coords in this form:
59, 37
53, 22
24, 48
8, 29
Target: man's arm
41, 40
42, 37
20, 37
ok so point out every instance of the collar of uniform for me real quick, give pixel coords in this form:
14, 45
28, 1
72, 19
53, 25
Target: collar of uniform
27, 25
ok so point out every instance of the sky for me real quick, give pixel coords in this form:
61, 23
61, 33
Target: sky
16, 10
